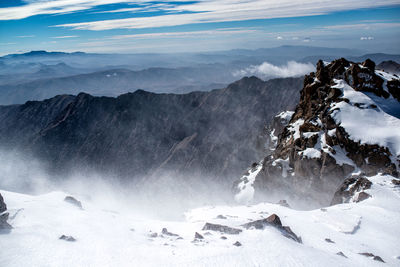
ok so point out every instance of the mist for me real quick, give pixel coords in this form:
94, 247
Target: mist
267, 70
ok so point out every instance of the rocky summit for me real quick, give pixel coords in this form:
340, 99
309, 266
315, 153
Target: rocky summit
346, 122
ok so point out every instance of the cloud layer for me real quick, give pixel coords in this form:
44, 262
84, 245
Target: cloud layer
267, 70
183, 12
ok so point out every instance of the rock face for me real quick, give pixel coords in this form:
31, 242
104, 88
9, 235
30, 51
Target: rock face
215, 134
351, 189
4, 225
320, 147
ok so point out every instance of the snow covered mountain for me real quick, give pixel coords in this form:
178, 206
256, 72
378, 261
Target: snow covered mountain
337, 153
346, 123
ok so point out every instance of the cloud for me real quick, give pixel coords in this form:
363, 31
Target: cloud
65, 37
279, 38
209, 11
363, 38
26, 36
218, 32
363, 26
205, 11
267, 70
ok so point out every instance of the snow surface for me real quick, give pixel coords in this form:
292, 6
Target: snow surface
120, 237
367, 125
285, 115
246, 188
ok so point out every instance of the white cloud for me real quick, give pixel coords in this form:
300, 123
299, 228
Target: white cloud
279, 38
65, 37
218, 32
363, 26
26, 36
204, 11
363, 38
230, 10
267, 70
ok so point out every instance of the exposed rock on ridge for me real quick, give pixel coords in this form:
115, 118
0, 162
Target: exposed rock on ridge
316, 151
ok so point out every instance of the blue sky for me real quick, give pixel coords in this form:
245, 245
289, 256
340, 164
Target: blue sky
186, 26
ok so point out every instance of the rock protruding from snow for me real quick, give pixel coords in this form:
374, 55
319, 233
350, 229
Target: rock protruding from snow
347, 121
221, 228
273, 221
4, 225
165, 231
73, 201
67, 238
351, 189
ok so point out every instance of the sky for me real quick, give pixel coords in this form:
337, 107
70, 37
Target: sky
121, 26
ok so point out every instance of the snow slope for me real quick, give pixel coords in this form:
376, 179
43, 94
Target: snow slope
121, 237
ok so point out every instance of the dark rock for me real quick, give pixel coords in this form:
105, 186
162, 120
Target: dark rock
329, 240
153, 235
377, 258
5, 227
374, 257
221, 217
369, 64
3, 206
237, 243
221, 228
198, 236
224, 238
73, 201
164, 231
362, 196
273, 221
366, 254
67, 238
396, 182
283, 203
341, 254
349, 188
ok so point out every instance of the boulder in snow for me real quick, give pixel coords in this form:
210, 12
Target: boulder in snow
222, 228
67, 238
273, 221
73, 201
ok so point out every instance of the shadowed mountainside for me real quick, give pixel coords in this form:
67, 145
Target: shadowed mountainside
213, 134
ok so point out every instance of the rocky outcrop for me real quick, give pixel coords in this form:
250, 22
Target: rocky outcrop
4, 225
275, 222
316, 151
352, 189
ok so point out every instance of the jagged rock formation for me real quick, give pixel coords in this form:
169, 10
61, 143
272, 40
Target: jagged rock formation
352, 189
346, 121
141, 134
4, 225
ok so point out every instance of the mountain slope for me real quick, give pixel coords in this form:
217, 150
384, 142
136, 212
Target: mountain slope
215, 134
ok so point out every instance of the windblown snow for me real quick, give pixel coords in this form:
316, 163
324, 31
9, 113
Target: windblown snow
118, 236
